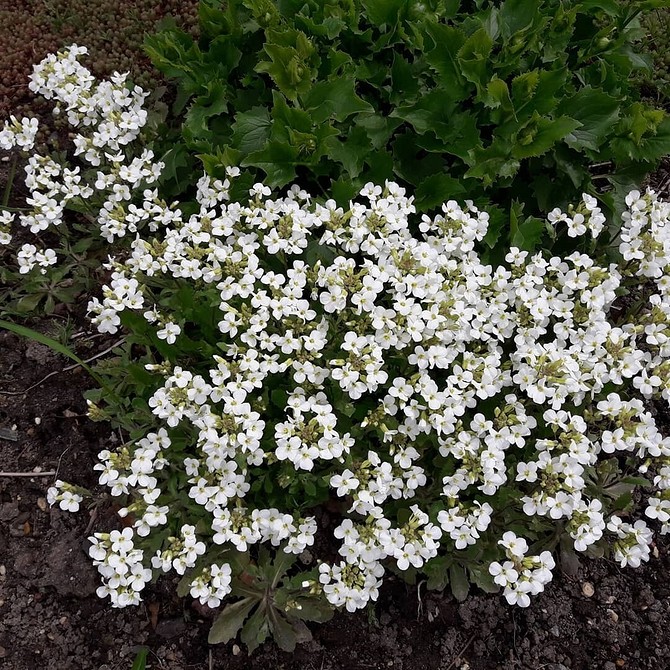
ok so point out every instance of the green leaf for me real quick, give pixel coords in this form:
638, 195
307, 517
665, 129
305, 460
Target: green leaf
256, 629
351, 152
251, 129
596, 111
211, 103
28, 303
379, 129
335, 97
648, 148
437, 571
515, 15
458, 580
404, 80
314, 609
277, 160
540, 134
529, 234
140, 662
184, 585
385, 12
175, 159
437, 189
56, 346
444, 59
497, 95
290, 66
282, 631
474, 57
229, 622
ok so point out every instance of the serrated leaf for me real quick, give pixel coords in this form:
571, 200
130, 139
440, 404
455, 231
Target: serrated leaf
523, 87
404, 81
336, 98
251, 129
444, 59
474, 57
229, 622
596, 111
385, 12
437, 189
648, 148
497, 95
542, 133
288, 65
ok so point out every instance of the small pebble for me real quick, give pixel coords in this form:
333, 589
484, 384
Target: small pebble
236, 650
613, 615
587, 589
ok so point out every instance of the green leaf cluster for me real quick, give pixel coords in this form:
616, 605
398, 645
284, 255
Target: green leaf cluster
508, 103
271, 604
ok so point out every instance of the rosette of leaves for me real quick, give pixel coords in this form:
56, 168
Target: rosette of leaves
512, 103
270, 604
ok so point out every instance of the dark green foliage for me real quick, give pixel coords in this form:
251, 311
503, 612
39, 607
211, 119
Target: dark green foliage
278, 605
508, 103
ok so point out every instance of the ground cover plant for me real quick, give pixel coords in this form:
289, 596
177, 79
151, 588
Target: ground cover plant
113, 32
281, 353
510, 104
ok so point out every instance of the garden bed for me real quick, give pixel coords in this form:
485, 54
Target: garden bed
51, 617
592, 615
601, 617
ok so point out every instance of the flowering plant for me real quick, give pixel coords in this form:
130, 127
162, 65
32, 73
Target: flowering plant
466, 420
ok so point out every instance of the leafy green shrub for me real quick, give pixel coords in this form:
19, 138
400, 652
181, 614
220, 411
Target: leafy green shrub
508, 103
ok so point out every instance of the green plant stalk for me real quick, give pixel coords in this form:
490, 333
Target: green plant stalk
56, 346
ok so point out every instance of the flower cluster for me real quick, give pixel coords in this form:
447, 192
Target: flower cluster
425, 335
369, 357
107, 117
521, 576
121, 565
67, 496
